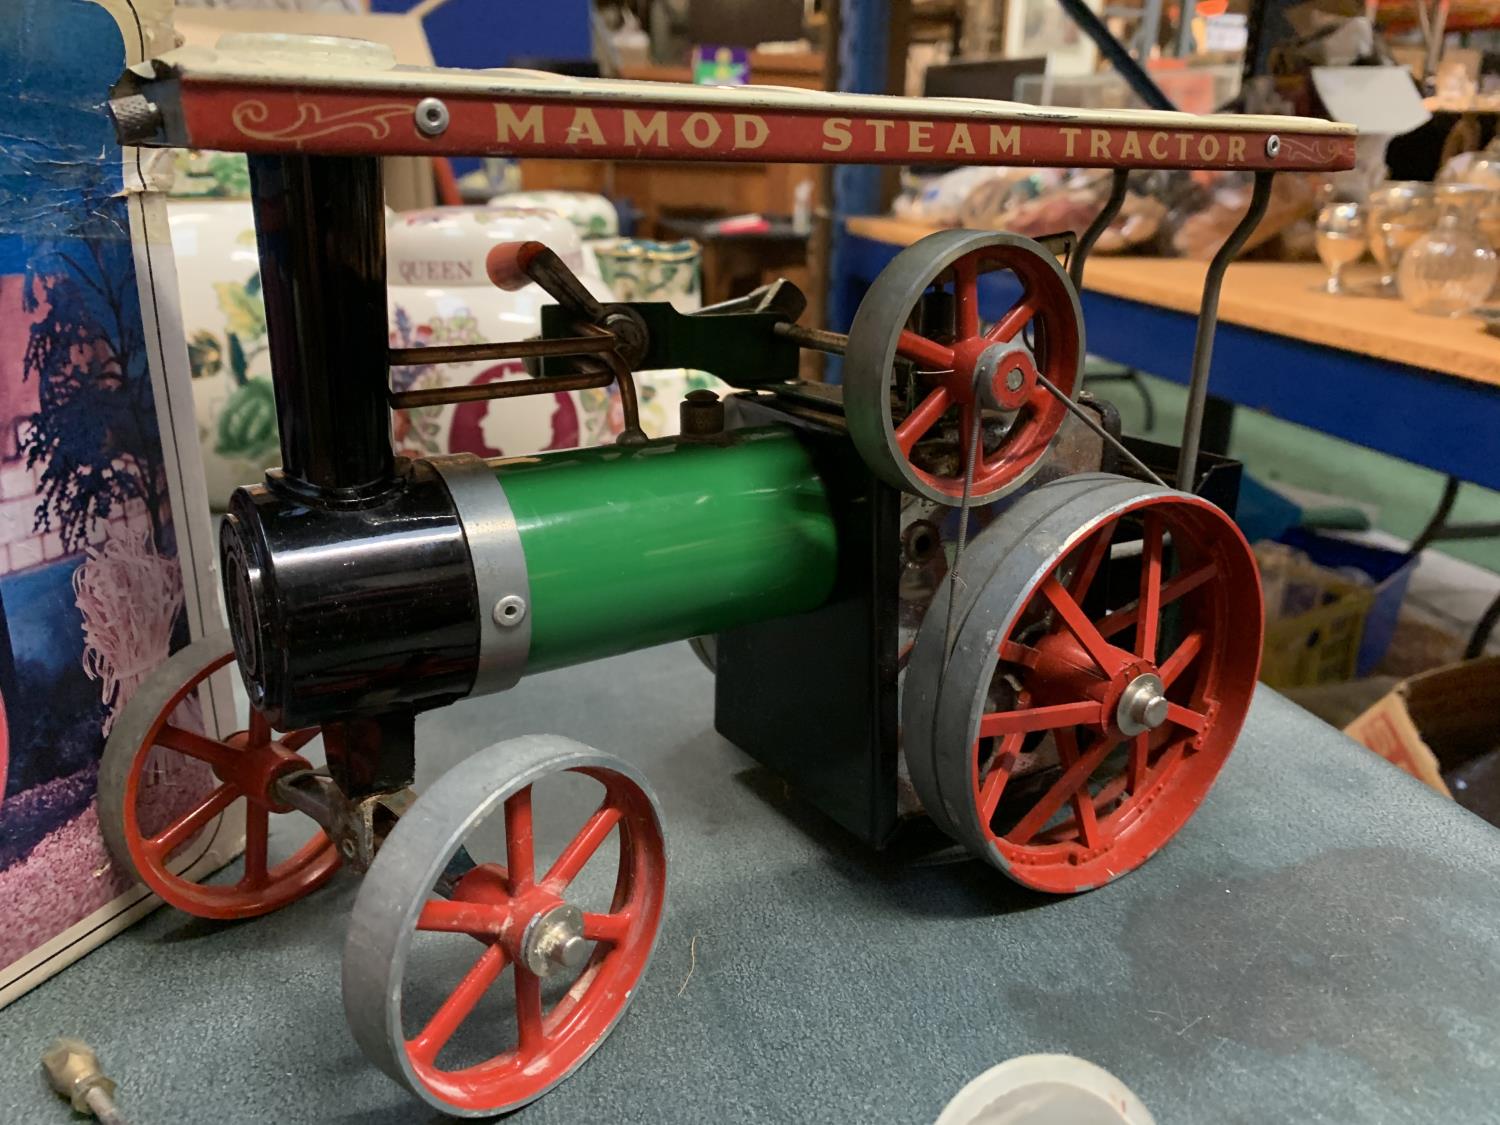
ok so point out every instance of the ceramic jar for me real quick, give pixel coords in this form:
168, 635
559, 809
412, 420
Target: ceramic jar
640, 269
593, 216
224, 321
203, 174
439, 294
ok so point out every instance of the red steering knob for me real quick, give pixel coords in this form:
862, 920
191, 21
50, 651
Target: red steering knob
506, 263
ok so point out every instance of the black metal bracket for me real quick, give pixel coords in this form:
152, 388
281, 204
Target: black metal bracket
1208, 323
1111, 48
1439, 529
741, 348
372, 755
1100, 224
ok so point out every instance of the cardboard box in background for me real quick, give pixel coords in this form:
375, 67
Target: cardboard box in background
1443, 727
106, 551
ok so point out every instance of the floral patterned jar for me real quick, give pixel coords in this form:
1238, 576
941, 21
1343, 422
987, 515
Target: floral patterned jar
440, 294
640, 269
593, 216
224, 320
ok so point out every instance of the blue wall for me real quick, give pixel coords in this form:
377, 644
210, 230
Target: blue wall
486, 33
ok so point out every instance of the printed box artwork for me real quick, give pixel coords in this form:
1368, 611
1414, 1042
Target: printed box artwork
105, 559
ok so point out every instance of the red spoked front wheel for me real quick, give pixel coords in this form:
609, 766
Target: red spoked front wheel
1099, 676
480, 986
165, 787
922, 372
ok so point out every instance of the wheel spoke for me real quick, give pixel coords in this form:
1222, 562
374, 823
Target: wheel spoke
966, 298
582, 847
219, 755
1111, 791
1094, 553
520, 860
458, 916
1181, 657
532, 1037
194, 822
1004, 330
992, 784
989, 794
297, 739
1150, 599
1166, 761
1027, 719
426, 1044
1064, 787
919, 421
1140, 759
260, 730
1185, 717
1082, 800
1122, 619
610, 928
257, 840
1017, 653
1104, 654
921, 350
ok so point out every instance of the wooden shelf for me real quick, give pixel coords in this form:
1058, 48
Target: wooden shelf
1281, 298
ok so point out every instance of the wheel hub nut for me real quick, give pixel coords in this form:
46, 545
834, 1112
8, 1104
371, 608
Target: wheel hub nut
554, 941
1000, 373
1143, 705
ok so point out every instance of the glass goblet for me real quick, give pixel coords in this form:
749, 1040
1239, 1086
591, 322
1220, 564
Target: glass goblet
1343, 236
1400, 212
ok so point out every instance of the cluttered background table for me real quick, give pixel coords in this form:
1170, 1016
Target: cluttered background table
1369, 370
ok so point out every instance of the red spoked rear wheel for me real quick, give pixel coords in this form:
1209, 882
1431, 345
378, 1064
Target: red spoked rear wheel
489, 1045
165, 785
922, 371
1097, 683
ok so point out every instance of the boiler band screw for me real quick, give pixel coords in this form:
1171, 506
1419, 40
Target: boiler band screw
509, 610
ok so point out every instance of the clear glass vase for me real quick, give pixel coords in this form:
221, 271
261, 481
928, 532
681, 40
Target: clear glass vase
1400, 213
1451, 269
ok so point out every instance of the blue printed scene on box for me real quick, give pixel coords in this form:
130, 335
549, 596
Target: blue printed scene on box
91, 591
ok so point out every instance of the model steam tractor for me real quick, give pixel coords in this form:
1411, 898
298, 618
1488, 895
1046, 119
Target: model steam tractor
944, 589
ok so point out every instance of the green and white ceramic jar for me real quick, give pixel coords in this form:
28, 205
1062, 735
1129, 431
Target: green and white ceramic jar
640, 269
224, 321
592, 215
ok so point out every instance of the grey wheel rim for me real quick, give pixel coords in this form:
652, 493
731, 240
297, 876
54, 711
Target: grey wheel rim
1061, 518
873, 336
130, 729
924, 672
1031, 542
400, 881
